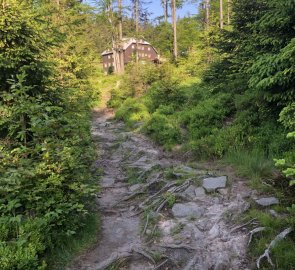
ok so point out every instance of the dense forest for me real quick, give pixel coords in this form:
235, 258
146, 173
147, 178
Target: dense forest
223, 93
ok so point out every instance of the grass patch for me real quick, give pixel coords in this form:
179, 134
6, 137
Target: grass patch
252, 164
283, 254
70, 247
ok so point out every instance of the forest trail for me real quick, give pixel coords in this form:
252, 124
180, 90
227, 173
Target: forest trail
139, 186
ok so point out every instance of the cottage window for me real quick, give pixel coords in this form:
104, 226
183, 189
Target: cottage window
109, 57
105, 65
133, 46
149, 48
149, 56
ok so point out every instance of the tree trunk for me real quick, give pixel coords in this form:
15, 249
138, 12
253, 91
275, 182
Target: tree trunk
173, 11
207, 18
221, 13
228, 12
137, 27
165, 8
120, 45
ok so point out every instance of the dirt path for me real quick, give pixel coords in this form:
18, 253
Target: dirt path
155, 211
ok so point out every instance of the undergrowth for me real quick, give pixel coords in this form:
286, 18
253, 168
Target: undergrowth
68, 248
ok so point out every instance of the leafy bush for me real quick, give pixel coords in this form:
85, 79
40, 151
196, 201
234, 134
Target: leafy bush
164, 130
132, 111
45, 142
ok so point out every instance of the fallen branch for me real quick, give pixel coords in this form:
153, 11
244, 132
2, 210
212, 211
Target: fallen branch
256, 230
161, 264
243, 225
163, 189
272, 244
161, 205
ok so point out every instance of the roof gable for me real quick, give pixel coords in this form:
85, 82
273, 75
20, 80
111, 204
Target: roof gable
128, 42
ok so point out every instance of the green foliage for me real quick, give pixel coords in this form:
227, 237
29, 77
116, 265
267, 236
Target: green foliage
46, 148
132, 112
253, 164
163, 130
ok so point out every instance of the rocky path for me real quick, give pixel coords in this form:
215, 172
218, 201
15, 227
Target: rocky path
158, 213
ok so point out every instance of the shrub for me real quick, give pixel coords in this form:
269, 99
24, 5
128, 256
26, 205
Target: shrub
163, 130
132, 111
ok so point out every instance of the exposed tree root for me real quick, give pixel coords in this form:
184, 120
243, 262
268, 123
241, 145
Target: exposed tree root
252, 221
256, 230
185, 247
161, 264
272, 244
162, 190
123, 256
112, 259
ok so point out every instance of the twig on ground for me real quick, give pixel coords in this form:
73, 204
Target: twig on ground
243, 225
256, 230
161, 205
272, 244
161, 264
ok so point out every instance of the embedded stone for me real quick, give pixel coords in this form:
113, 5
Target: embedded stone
200, 192
213, 183
183, 210
267, 201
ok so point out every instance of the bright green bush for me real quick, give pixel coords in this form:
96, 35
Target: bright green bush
132, 111
46, 150
163, 129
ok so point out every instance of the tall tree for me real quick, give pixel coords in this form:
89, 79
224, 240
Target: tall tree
221, 13
165, 4
174, 26
207, 13
228, 12
120, 30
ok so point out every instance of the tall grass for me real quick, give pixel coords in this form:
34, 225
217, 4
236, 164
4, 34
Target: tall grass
253, 164
70, 247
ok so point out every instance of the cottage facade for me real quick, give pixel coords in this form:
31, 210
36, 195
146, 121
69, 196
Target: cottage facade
146, 52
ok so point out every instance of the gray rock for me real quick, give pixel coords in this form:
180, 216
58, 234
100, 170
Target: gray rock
190, 192
200, 192
214, 232
178, 242
213, 183
190, 209
267, 201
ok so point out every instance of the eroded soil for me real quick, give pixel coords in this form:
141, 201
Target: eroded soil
141, 229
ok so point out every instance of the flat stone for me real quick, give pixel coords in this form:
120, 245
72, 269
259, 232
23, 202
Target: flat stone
200, 192
267, 201
190, 192
214, 232
213, 183
190, 209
